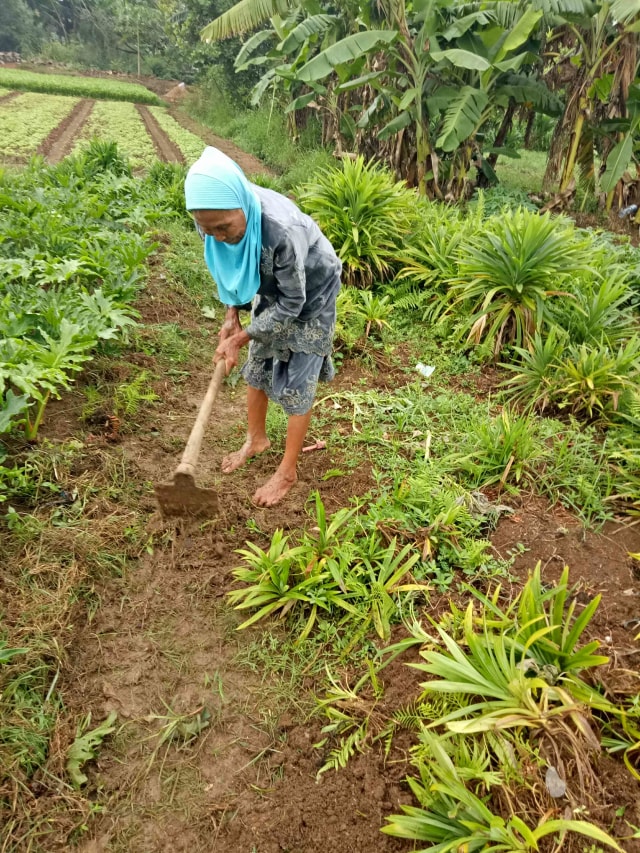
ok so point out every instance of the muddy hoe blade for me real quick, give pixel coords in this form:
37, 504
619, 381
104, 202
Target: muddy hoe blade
182, 497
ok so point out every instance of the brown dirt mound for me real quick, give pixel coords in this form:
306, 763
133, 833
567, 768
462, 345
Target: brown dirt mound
60, 141
166, 149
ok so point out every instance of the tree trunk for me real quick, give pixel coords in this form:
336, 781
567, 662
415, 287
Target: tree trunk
531, 117
503, 132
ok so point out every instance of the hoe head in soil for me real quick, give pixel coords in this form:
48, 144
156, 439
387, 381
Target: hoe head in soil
182, 497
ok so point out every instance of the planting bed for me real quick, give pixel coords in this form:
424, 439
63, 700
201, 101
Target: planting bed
27, 120
119, 121
189, 143
85, 87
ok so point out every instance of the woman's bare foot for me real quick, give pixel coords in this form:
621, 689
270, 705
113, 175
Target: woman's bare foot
251, 447
274, 489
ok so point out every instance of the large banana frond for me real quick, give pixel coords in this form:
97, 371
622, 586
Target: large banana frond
343, 51
528, 90
617, 162
243, 59
462, 118
315, 25
564, 7
243, 17
625, 10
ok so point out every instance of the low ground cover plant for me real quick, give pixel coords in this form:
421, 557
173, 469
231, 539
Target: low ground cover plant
119, 120
83, 87
66, 284
27, 120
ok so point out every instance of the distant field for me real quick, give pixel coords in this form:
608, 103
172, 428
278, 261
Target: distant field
84, 87
189, 144
26, 121
121, 122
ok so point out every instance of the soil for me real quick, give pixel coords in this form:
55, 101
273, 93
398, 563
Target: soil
609, 221
166, 150
8, 97
249, 164
60, 141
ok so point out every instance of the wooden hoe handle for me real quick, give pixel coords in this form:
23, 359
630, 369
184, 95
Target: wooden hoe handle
190, 456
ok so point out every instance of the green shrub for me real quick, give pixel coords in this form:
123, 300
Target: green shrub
507, 273
364, 212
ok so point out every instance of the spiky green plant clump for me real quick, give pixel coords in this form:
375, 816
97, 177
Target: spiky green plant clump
365, 214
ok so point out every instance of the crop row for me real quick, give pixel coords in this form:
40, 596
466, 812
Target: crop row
26, 121
190, 145
111, 120
84, 87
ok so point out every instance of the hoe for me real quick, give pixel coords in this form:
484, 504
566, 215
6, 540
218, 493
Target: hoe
182, 497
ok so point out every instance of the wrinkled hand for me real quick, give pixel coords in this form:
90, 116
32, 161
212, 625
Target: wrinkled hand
229, 349
231, 325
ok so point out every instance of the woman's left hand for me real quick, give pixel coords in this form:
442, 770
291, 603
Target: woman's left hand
229, 349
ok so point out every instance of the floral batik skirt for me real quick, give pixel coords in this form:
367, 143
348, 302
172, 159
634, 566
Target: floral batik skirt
290, 382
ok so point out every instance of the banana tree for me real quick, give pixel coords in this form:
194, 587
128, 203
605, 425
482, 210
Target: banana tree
453, 88
603, 54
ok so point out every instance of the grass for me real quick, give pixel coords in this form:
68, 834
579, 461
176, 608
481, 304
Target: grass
262, 132
523, 174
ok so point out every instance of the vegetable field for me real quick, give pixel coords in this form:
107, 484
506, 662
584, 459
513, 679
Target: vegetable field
43, 122
431, 644
83, 87
121, 121
26, 121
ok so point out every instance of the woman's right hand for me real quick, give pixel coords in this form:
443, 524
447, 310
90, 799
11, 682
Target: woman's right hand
231, 325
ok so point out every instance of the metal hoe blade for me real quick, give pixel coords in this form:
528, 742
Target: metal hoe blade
183, 498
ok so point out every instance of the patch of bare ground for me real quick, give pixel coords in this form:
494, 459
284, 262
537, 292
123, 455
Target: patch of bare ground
249, 164
60, 141
166, 149
4, 99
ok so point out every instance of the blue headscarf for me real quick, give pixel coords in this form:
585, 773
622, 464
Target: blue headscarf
215, 182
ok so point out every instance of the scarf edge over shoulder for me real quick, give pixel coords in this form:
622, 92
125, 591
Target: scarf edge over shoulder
216, 182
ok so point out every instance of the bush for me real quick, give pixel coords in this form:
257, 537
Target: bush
365, 213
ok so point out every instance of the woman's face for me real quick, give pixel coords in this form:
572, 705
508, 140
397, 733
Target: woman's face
225, 226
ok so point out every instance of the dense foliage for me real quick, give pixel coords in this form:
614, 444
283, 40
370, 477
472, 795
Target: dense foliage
74, 239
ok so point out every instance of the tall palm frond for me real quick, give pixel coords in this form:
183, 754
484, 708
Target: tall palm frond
245, 16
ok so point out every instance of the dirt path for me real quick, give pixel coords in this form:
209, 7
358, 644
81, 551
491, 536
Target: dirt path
249, 164
4, 99
166, 149
60, 141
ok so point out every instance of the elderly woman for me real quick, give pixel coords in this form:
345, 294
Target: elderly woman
260, 247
